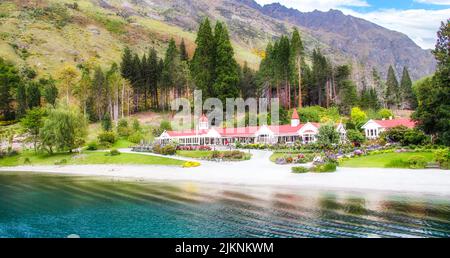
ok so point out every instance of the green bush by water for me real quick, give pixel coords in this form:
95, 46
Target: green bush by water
325, 168
300, 170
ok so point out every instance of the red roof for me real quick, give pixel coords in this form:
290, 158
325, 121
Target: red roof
396, 122
295, 115
242, 131
203, 118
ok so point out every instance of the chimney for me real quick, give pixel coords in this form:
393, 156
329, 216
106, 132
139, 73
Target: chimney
295, 120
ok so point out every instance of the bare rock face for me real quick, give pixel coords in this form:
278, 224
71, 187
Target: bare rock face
346, 38
369, 43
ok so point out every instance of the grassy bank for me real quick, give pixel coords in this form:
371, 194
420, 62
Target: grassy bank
382, 160
87, 158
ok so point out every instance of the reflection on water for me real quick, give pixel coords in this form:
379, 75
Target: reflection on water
59, 206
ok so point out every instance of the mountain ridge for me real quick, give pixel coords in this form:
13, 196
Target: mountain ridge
106, 26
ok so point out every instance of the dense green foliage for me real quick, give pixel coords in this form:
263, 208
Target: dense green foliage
299, 170
405, 136
64, 129
32, 123
355, 136
392, 89
408, 99
433, 111
328, 135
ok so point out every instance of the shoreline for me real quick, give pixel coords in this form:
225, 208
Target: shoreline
259, 171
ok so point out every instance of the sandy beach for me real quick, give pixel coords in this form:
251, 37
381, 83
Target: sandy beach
260, 171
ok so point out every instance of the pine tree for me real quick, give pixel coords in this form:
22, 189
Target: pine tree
21, 98
203, 63
183, 52
33, 95
170, 71
392, 89
379, 87
321, 71
144, 69
153, 76
248, 82
226, 83
83, 92
50, 91
296, 63
126, 66
408, 100
100, 94
136, 80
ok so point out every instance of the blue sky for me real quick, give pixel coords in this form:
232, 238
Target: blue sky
419, 19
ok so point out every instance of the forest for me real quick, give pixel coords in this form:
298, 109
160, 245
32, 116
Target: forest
146, 81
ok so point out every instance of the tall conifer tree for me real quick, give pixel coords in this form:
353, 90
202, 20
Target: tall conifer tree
392, 89
227, 76
203, 63
407, 95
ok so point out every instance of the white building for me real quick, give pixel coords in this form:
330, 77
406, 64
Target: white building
207, 135
373, 128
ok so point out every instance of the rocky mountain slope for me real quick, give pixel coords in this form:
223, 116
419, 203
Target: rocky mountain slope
45, 34
367, 42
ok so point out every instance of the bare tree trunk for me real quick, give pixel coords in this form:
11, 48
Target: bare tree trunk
299, 64
123, 96
327, 93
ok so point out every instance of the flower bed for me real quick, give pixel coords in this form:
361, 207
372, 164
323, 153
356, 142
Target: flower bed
194, 148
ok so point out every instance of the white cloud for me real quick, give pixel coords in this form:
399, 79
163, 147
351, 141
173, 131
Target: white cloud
436, 2
419, 24
321, 5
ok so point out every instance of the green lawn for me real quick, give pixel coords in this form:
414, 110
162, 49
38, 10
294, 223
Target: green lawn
381, 160
122, 144
89, 158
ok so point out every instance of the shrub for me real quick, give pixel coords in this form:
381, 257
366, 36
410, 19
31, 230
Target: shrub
442, 157
163, 126
92, 146
105, 145
61, 162
414, 137
216, 155
136, 126
233, 155
325, 168
385, 113
27, 161
107, 123
310, 114
417, 162
109, 137
135, 137
168, 149
114, 152
355, 136
358, 117
191, 164
122, 128
299, 170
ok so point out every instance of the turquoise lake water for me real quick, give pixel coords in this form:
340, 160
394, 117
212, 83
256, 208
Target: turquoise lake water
57, 206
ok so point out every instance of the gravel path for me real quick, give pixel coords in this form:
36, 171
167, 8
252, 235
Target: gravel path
260, 171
